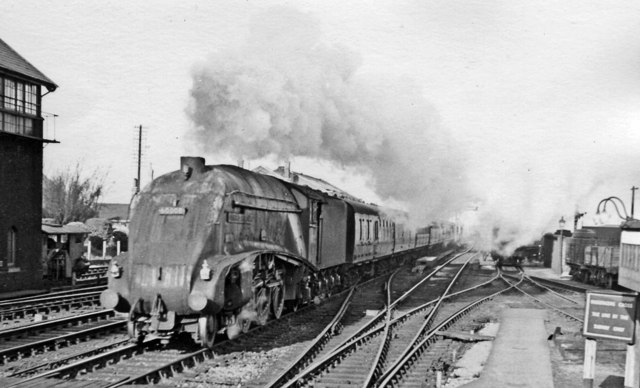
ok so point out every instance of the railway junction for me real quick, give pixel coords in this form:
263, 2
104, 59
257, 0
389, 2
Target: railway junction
459, 322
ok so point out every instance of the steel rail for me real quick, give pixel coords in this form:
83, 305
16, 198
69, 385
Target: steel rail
45, 325
158, 370
51, 294
49, 298
49, 303
375, 370
414, 311
423, 331
150, 376
311, 350
566, 286
368, 330
59, 362
40, 296
376, 319
545, 303
559, 295
73, 369
58, 341
401, 364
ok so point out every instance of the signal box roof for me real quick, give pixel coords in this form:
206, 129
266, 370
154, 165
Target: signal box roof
14, 63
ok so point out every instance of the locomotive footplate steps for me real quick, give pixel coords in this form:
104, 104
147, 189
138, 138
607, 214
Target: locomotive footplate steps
521, 340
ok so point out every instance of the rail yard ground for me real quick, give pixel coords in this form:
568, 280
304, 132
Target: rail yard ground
566, 350
465, 362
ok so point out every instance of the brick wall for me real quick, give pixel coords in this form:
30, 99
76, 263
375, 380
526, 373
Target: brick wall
20, 208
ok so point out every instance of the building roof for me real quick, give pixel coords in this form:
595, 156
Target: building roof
75, 228
111, 211
631, 224
13, 62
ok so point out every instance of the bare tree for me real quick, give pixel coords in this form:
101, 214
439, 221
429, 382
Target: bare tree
69, 196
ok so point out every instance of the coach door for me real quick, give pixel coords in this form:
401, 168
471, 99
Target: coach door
315, 228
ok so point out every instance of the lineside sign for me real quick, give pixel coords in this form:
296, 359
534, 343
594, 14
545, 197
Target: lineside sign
610, 316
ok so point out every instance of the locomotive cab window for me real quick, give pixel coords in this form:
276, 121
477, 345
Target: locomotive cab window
314, 212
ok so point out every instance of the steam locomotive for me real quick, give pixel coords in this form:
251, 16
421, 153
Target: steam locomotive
216, 248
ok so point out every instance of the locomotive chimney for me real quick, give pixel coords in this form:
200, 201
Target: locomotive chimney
287, 170
191, 164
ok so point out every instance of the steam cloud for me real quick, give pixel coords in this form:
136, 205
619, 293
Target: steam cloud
287, 93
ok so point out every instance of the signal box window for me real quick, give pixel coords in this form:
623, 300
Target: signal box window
19, 100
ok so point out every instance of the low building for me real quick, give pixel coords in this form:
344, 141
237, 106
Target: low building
116, 213
22, 87
62, 245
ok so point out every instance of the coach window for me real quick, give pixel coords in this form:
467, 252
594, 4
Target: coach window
368, 230
11, 246
360, 231
375, 230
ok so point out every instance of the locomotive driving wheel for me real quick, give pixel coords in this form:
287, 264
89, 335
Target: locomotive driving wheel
207, 328
262, 303
277, 301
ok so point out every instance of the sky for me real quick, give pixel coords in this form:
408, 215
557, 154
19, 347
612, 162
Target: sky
527, 110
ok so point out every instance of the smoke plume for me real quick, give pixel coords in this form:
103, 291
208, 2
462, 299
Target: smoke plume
288, 93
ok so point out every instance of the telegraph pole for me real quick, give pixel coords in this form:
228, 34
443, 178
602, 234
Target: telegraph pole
633, 198
139, 157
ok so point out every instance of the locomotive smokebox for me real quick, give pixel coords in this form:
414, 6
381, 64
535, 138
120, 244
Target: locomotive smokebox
191, 164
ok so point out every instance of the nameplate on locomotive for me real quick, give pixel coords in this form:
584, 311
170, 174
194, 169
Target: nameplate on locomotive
172, 211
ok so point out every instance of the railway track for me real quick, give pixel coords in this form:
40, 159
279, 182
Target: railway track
428, 353
571, 305
27, 341
151, 361
564, 284
21, 308
362, 358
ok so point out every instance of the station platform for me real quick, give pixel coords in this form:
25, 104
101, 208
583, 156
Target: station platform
520, 354
543, 272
